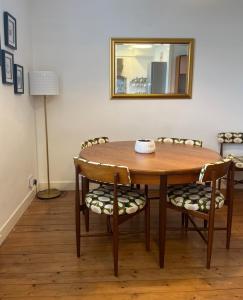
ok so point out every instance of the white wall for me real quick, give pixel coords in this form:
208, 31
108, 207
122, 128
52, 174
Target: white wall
17, 127
72, 38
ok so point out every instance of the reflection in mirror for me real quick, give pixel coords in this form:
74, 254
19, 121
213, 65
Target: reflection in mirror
159, 69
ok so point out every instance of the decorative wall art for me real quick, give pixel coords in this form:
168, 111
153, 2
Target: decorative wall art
18, 79
10, 30
11, 73
0, 52
7, 67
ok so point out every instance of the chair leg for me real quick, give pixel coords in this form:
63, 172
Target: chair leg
219, 184
229, 226
162, 219
186, 222
228, 231
229, 223
83, 186
115, 247
108, 224
210, 242
86, 216
229, 211
182, 219
205, 223
77, 213
85, 189
115, 218
147, 225
211, 214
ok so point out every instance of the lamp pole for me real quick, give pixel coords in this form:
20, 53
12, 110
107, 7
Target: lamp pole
47, 148
49, 193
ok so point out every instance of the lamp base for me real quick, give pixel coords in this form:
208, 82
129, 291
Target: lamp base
48, 194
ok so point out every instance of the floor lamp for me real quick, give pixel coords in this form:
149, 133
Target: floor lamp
45, 83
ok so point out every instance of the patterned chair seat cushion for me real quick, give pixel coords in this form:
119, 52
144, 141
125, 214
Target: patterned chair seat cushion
194, 197
100, 200
237, 160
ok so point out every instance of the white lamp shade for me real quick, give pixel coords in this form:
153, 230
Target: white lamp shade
43, 83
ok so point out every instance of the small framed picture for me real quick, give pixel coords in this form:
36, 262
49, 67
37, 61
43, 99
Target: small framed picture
7, 67
10, 30
18, 79
0, 52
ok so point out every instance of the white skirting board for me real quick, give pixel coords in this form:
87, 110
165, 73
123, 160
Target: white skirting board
15, 216
70, 185
60, 185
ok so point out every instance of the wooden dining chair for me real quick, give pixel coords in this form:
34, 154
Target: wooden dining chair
96, 141
113, 198
231, 138
89, 143
173, 140
200, 201
185, 141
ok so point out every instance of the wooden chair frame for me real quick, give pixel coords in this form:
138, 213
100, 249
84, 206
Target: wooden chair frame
207, 217
112, 227
184, 218
222, 145
90, 143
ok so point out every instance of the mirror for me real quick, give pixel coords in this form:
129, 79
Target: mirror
151, 68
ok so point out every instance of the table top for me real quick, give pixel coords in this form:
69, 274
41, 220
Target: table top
167, 158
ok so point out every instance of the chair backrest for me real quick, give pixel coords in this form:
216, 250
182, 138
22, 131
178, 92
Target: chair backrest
230, 137
94, 141
217, 169
103, 172
173, 140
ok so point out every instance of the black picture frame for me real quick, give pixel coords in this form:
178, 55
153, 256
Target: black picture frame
7, 67
18, 79
0, 52
10, 30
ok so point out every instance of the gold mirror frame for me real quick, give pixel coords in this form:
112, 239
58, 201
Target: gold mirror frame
186, 95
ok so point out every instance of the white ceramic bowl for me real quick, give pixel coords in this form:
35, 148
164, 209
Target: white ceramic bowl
145, 146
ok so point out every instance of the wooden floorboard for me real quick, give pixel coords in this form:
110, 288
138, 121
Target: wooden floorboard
38, 259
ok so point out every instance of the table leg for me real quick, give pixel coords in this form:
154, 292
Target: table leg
162, 218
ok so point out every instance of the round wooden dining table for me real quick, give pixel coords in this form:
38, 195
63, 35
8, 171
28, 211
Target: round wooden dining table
181, 163
169, 164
